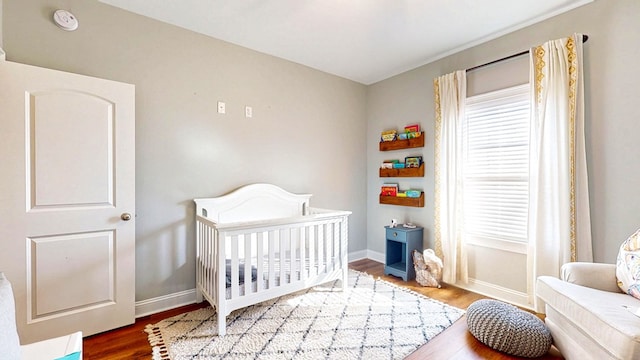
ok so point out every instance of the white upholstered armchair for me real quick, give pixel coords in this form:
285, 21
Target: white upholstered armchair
64, 347
588, 315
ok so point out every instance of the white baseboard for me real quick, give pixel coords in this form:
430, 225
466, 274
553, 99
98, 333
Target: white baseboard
497, 292
366, 254
375, 256
357, 255
165, 302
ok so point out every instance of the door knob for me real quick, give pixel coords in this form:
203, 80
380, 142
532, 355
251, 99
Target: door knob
125, 216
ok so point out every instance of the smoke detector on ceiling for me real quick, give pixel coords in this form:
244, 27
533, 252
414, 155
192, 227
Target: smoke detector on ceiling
65, 20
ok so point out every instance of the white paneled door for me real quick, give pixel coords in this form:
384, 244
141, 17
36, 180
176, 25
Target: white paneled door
67, 200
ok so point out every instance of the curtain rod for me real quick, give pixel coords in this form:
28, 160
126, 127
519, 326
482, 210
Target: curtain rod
584, 40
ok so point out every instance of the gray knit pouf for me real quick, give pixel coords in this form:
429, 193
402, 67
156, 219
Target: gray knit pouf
506, 328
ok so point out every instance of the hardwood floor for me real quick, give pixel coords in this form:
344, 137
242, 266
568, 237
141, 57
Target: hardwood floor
455, 342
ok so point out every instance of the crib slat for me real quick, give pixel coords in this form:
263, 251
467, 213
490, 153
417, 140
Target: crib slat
334, 237
303, 253
248, 253
300, 253
325, 245
336, 245
329, 241
330, 245
274, 237
344, 257
206, 260
312, 267
199, 258
282, 250
220, 291
321, 239
259, 261
293, 261
234, 266
211, 262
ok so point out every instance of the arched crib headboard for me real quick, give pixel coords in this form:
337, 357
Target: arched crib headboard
252, 203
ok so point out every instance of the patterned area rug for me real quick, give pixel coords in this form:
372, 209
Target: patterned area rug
373, 320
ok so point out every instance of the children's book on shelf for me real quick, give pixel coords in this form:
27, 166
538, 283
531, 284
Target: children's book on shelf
388, 135
410, 132
413, 193
414, 128
389, 189
389, 164
413, 161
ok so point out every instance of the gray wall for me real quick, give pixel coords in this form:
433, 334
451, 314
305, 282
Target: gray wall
0, 23
612, 126
311, 132
305, 134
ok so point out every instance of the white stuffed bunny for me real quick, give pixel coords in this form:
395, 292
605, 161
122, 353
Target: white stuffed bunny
428, 268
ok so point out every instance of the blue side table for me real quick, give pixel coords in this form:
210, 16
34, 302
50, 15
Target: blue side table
401, 242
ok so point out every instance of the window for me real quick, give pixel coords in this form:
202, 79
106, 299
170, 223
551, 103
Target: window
495, 169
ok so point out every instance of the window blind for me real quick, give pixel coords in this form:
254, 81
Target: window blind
495, 170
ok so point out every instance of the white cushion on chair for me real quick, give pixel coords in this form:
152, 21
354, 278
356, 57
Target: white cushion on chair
9, 340
10, 348
599, 320
55, 348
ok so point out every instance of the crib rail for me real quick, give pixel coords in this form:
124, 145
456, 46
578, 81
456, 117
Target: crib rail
240, 264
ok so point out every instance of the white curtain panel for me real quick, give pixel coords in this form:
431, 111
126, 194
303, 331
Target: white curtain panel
559, 222
449, 94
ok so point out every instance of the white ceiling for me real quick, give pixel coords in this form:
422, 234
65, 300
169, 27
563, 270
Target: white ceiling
362, 40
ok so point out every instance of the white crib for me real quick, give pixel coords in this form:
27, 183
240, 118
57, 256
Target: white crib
260, 242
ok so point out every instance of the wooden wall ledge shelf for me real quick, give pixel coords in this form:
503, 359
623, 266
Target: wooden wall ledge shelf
403, 144
406, 172
403, 201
